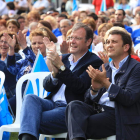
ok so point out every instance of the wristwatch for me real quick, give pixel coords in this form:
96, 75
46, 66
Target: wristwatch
62, 68
93, 89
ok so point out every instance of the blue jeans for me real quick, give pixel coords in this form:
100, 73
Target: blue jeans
42, 116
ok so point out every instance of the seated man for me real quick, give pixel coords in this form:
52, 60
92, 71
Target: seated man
68, 82
116, 88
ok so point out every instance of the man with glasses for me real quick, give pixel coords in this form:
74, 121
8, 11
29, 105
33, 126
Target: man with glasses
65, 25
67, 82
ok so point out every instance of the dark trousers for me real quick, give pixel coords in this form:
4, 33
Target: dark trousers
82, 121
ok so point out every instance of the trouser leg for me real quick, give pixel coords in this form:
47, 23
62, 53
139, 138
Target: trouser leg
31, 114
77, 114
101, 125
53, 121
83, 122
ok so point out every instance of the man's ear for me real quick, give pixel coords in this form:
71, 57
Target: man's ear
89, 41
126, 47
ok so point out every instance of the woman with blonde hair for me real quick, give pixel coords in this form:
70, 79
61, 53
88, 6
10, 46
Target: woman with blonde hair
52, 21
25, 66
103, 28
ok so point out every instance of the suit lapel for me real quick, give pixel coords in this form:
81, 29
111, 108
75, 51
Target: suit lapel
82, 61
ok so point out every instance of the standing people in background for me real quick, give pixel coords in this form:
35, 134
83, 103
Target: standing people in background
119, 17
51, 5
63, 6
3, 8
123, 5
69, 6
21, 6
40, 6
12, 9
97, 4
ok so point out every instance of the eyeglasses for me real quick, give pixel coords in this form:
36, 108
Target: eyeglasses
76, 38
1, 42
63, 27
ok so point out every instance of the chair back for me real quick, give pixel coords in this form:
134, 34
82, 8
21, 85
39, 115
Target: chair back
2, 79
33, 77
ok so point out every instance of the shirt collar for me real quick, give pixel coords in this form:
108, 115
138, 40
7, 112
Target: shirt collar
120, 64
70, 58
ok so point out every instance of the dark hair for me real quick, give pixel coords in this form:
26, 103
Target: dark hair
89, 33
20, 17
122, 11
63, 15
126, 38
118, 24
46, 24
102, 18
93, 15
11, 5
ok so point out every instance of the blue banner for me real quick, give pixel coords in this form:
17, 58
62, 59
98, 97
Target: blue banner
39, 66
103, 6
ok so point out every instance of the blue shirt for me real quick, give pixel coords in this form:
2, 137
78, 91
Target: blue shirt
136, 37
96, 32
57, 32
129, 29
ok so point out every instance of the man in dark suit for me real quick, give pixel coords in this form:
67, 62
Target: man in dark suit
116, 88
68, 81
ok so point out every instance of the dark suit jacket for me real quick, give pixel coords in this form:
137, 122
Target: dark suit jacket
126, 94
77, 81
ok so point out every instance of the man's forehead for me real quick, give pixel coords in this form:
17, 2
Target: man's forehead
119, 12
114, 37
80, 30
64, 23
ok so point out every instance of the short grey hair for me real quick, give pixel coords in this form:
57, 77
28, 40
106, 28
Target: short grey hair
32, 24
66, 20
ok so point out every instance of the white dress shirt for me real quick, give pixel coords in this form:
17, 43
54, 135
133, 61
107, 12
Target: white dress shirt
60, 95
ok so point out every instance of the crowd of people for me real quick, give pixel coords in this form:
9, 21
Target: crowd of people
94, 63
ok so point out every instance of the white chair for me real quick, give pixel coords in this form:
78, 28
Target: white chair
32, 77
2, 79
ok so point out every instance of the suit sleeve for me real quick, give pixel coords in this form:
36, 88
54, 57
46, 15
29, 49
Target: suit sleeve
128, 94
75, 81
48, 84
